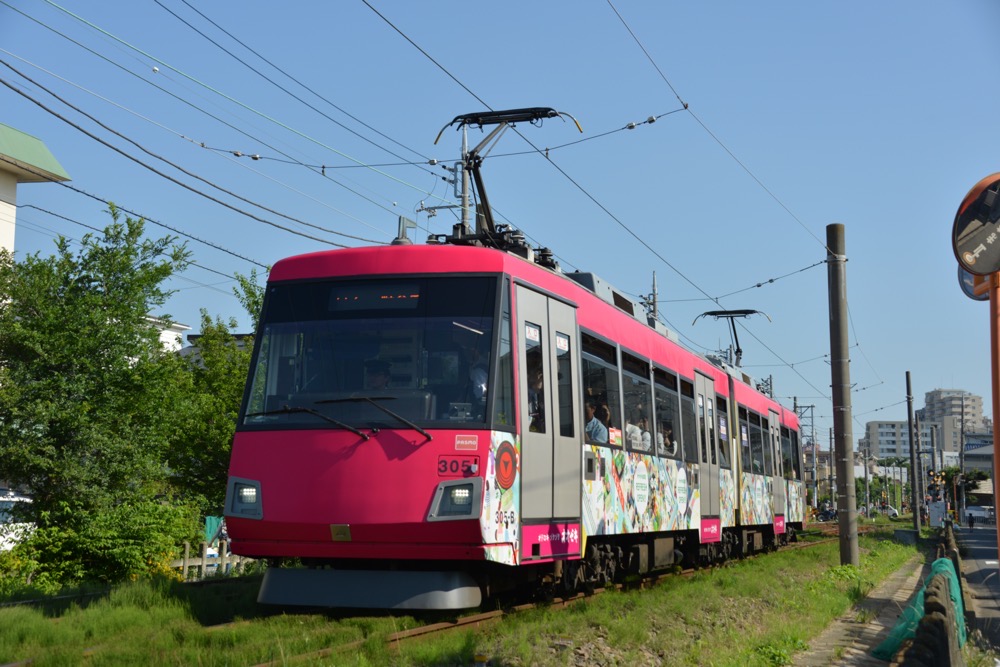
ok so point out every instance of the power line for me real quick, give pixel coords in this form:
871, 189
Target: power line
232, 99
276, 84
182, 169
100, 231
590, 196
188, 103
715, 138
215, 151
160, 173
4, 158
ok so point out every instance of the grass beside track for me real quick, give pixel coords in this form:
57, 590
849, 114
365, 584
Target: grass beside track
755, 612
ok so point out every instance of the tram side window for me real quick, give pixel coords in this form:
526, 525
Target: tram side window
599, 377
796, 456
701, 427
788, 463
756, 444
746, 457
768, 446
535, 372
711, 430
666, 411
564, 392
503, 406
723, 421
637, 400
689, 423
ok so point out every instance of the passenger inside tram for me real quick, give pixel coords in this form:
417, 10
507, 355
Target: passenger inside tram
595, 431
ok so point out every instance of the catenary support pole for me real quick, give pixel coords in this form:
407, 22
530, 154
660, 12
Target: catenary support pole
840, 369
914, 507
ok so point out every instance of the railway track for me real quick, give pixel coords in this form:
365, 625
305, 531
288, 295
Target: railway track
397, 640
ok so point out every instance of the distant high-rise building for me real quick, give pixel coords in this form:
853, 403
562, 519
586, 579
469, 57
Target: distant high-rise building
953, 403
956, 411
946, 414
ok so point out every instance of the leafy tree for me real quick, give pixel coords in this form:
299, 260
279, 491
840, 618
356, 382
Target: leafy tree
217, 373
199, 458
89, 398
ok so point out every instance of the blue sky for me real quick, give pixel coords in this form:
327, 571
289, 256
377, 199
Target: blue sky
876, 116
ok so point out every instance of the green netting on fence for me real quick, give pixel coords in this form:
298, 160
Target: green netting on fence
906, 627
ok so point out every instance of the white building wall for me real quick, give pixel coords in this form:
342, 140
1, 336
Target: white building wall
8, 209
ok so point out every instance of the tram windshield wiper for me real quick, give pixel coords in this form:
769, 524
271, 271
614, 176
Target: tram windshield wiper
372, 401
289, 410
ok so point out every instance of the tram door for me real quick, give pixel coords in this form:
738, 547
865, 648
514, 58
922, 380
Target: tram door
774, 442
704, 390
551, 420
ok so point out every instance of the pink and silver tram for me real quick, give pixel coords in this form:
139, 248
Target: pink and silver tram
426, 424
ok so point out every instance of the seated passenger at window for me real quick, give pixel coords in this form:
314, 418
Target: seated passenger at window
647, 437
665, 443
596, 431
633, 434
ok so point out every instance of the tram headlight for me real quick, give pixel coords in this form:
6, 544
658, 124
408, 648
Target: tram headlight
457, 499
461, 495
246, 494
243, 498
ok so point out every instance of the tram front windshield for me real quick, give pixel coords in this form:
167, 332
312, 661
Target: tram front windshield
372, 353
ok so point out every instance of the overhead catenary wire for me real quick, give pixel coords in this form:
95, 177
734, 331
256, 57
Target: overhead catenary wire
99, 231
739, 162
711, 134
164, 175
172, 164
191, 105
235, 101
587, 194
195, 142
179, 232
278, 85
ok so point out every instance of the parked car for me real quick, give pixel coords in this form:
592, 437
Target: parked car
891, 511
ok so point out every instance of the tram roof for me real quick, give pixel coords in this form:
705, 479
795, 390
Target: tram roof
578, 288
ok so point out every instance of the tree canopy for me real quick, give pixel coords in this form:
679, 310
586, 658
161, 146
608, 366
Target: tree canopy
120, 442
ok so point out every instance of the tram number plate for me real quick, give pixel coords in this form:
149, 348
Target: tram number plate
457, 466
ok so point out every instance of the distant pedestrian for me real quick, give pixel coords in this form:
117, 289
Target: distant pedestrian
971, 519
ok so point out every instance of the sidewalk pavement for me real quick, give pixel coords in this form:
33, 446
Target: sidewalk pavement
981, 568
850, 639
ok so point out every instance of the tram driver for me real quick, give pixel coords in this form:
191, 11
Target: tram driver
377, 373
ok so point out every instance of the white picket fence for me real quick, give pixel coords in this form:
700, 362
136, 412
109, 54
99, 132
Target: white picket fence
204, 564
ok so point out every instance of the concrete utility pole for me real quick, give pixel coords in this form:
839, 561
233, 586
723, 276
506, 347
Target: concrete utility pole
868, 490
918, 474
840, 370
961, 466
829, 472
914, 507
